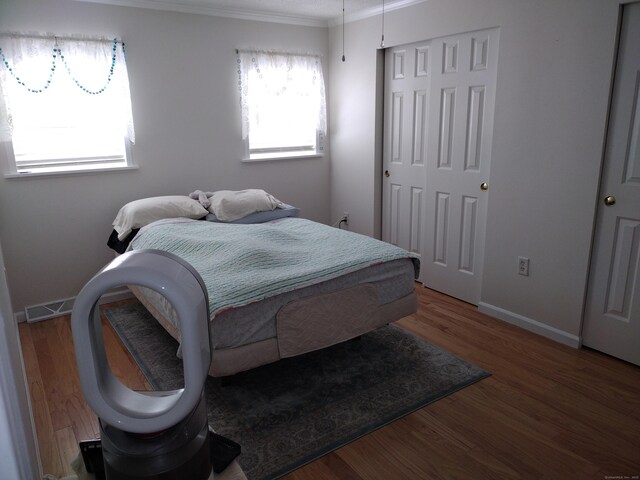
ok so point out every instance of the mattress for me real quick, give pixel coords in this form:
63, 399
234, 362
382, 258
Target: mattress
257, 321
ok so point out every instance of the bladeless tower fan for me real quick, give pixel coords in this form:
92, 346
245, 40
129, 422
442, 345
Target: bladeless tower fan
155, 435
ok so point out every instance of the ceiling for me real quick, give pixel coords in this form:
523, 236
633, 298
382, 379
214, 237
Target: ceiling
300, 12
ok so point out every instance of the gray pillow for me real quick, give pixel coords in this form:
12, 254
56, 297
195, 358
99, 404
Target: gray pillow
261, 217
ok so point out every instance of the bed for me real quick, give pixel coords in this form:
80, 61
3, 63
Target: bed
281, 287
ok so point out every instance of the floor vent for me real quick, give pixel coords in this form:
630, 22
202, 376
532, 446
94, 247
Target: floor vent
44, 311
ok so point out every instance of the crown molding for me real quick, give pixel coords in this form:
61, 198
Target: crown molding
258, 16
372, 12
243, 14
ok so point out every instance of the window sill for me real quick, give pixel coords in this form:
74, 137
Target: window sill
82, 171
268, 157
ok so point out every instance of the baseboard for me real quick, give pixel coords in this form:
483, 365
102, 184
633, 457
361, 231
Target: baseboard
19, 317
113, 296
531, 325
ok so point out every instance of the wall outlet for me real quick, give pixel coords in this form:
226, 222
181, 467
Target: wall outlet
523, 266
345, 218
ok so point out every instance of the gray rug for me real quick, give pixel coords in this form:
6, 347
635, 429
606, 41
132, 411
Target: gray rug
292, 412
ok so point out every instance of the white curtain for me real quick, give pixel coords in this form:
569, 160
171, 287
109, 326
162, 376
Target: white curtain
88, 73
296, 78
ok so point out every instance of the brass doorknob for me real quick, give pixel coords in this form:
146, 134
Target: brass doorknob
484, 186
610, 200
386, 173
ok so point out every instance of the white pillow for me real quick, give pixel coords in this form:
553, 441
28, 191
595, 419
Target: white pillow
141, 212
228, 205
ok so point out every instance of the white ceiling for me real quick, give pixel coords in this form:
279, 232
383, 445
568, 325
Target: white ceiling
300, 12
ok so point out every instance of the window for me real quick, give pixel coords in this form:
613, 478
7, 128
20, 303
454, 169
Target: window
283, 104
64, 104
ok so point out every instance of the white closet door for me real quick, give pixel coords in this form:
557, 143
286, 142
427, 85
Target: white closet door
612, 315
460, 136
406, 109
439, 100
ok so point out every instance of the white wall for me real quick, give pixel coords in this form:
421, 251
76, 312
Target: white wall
18, 448
182, 71
554, 74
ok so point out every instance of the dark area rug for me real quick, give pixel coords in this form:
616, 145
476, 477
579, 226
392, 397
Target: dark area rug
292, 412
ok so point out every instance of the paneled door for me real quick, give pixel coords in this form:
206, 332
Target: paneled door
439, 100
405, 143
612, 314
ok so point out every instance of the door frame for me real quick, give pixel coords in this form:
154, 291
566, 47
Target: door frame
22, 453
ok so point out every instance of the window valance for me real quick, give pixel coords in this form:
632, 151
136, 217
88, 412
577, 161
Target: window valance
35, 65
295, 79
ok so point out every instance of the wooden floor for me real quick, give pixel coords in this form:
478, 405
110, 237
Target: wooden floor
547, 412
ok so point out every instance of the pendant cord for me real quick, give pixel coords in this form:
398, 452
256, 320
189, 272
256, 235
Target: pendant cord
382, 38
343, 57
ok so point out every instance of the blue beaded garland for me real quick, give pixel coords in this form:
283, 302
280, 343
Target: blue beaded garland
57, 52
21, 82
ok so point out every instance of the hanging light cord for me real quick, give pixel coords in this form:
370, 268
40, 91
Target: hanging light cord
382, 39
343, 57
